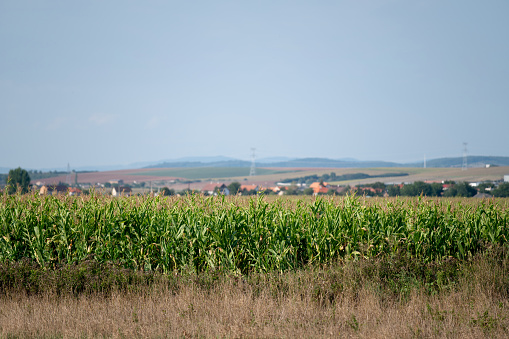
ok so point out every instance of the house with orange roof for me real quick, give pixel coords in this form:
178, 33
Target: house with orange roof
319, 187
446, 186
248, 188
74, 191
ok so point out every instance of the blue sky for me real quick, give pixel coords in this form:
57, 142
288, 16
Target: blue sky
117, 82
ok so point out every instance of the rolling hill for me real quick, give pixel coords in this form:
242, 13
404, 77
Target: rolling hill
473, 161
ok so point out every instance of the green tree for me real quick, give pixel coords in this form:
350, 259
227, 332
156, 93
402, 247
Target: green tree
393, 190
451, 192
436, 189
292, 190
502, 190
377, 185
234, 187
483, 187
308, 191
463, 189
18, 179
165, 191
416, 189
252, 192
460, 189
422, 188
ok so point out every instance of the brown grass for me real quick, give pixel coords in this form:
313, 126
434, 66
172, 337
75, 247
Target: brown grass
234, 312
306, 303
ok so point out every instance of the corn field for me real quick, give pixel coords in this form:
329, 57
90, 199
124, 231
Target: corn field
242, 235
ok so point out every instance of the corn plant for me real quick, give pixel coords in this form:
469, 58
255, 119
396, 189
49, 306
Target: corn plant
242, 234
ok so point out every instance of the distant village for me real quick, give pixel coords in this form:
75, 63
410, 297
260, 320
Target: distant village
374, 184
117, 188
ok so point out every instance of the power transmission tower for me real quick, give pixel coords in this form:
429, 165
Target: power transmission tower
252, 171
465, 165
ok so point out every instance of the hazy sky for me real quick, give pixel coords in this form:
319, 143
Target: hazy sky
116, 82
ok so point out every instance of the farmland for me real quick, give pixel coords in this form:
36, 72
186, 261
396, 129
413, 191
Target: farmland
210, 172
239, 266
196, 178
241, 235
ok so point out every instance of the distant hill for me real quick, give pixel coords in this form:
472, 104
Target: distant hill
324, 162
272, 160
229, 163
206, 160
222, 161
304, 162
472, 161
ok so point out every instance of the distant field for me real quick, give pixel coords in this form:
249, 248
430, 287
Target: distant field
102, 177
431, 174
209, 172
268, 176
302, 172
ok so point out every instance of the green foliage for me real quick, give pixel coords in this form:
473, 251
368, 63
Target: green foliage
292, 190
377, 185
250, 192
465, 190
333, 177
462, 189
483, 187
394, 276
502, 190
36, 175
239, 235
393, 190
165, 191
18, 179
87, 277
421, 188
485, 321
308, 191
234, 187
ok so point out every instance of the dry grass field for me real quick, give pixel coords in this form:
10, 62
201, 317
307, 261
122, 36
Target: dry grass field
414, 174
341, 300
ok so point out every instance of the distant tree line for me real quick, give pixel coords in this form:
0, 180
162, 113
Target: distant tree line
333, 177
36, 175
453, 189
